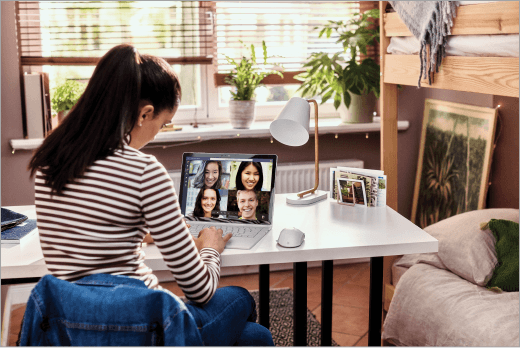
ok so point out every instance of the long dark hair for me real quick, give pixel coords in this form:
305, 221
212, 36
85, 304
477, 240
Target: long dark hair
241, 167
106, 113
198, 211
198, 181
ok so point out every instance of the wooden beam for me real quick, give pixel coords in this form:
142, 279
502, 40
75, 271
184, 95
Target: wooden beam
488, 75
388, 110
288, 78
493, 18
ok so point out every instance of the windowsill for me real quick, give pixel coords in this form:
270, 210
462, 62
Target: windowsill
258, 129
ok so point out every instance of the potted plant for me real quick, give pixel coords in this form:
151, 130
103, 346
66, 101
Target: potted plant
353, 86
246, 77
65, 96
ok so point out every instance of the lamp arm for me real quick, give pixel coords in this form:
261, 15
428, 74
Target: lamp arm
316, 153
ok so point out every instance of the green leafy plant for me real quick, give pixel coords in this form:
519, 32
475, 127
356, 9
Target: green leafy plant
247, 75
334, 77
66, 95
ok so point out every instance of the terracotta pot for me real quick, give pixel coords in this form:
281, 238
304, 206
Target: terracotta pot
241, 113
361, 109
61, 115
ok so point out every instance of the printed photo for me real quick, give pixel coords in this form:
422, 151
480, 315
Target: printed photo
351, 191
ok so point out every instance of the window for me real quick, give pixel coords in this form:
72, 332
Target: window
287, 27
65, 39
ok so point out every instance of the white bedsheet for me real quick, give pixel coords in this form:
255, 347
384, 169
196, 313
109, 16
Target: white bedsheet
463, 45
434, 307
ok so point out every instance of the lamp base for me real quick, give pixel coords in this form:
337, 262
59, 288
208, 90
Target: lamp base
312, 198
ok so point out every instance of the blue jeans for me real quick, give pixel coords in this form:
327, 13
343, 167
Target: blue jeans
229, 318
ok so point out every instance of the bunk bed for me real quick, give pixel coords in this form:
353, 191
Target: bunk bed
478, 74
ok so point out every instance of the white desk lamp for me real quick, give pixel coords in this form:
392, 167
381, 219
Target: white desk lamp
291, 127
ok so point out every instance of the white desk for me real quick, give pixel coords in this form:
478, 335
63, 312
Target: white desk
332, 232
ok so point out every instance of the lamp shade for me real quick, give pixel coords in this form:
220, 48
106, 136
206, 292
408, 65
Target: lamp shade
291, 127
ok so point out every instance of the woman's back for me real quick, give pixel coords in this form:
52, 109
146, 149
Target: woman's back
99, 222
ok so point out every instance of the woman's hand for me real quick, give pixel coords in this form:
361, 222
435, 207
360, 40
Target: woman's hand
212, 238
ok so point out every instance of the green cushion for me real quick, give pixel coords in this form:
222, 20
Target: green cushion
505, 275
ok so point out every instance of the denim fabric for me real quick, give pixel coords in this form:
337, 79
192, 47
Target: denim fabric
229, 319
106, 310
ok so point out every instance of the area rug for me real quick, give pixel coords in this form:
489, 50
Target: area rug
281, 319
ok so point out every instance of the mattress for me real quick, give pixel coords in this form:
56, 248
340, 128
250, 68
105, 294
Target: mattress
434, 307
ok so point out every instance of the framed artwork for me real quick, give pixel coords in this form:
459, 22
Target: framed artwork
454, 160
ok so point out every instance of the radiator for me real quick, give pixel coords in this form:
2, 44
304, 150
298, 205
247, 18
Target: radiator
296, 177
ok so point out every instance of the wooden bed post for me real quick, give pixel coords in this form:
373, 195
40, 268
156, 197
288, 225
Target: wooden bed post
388, 110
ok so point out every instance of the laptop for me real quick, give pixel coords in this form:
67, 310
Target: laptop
234, 192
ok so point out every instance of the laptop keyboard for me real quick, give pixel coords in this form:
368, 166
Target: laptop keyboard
237, 231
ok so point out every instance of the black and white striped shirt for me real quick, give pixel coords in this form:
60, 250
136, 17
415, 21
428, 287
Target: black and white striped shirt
98, 223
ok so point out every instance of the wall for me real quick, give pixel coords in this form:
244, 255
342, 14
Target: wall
15, 184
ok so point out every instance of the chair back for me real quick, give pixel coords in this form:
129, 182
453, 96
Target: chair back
106, 310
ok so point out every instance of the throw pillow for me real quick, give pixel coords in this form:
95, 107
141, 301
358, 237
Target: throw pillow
505, 275
464, 248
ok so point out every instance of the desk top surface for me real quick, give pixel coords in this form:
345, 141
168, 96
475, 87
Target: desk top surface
332, 231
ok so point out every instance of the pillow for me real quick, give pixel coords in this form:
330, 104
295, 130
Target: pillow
464, 248
505, 275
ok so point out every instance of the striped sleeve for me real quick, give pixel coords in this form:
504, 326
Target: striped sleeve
197, 274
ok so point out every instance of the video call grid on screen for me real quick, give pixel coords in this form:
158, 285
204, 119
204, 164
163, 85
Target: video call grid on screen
226, 175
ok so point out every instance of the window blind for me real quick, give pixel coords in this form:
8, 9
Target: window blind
80, 32
286, 27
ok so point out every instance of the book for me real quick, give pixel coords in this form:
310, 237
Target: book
11, 218
15, 234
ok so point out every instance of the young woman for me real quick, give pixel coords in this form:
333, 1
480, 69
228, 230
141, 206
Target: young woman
97, 196
249, 176
209, 175
205, 203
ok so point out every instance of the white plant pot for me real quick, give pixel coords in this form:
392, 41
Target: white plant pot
241, 113
361, 109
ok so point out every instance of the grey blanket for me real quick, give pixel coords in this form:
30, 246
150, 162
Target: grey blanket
430, 22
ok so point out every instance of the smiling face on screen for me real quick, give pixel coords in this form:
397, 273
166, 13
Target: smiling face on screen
247, 203
250, 177
211, 174
209, 200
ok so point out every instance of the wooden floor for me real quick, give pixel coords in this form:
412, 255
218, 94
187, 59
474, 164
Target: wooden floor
349, 302
350, 299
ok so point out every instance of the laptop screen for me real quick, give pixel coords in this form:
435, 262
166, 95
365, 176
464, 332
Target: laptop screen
228, 187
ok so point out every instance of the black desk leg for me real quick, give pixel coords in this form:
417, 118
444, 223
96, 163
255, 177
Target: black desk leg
376, 301
263, 295
326, 302
300, 303
13, 281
